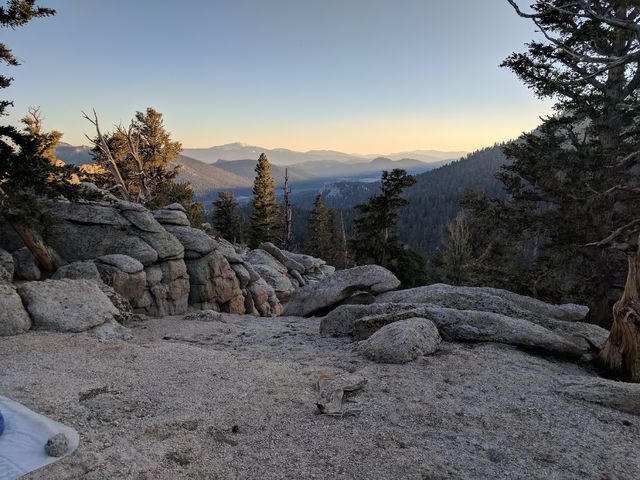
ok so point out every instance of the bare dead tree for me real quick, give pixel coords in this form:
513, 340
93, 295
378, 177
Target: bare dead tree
286, 213
111, 165
140, 175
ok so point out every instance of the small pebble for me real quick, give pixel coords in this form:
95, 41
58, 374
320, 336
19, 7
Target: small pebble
235, 429
57, 446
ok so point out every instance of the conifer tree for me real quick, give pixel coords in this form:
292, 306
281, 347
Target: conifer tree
455, 262
339, 252
29, 171
502, 251
264, 213
182, 193
225, 218
375, 239
14, 14
320, 238
139, 160
573, 184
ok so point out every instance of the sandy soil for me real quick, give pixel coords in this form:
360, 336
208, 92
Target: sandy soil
235, 399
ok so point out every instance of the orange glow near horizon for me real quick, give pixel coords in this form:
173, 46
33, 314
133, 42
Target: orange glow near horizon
371, 135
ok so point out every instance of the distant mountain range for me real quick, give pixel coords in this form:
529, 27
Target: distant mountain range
247, 169
283, 156
232, 166
344, 182
72, 155
433, 201
205, 178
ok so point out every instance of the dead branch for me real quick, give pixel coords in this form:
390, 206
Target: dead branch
612, 240
112, 166
140, 175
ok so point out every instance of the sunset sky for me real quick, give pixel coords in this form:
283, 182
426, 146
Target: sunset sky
360, 76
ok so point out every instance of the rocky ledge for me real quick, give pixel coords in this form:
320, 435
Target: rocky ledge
144, 262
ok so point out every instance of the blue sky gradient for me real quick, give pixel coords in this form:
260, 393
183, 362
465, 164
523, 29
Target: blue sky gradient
366, 76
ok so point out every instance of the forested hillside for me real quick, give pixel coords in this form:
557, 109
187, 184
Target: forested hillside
434, 199
247, 170
204, 177
337, 195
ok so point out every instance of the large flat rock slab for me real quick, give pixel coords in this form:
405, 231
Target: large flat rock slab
485, 299
330, 291
363, 321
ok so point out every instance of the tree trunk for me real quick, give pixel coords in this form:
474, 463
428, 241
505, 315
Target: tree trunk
45, 256
621, 352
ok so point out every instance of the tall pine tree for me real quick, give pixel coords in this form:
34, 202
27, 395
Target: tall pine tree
573, 184
264, 212
375, 239
455, 262
320, 239
225, 218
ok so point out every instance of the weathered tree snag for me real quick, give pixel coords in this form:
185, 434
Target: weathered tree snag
621, 352
45, 256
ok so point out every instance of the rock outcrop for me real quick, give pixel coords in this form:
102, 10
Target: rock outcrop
109, 331
285, 271
327, 293
487, 300
212, 283
273, 272
619, 395
13, 317
562, 319
339, 322
158, 263
472, 326
66, 305
132, 252
402, 341
124, 274
85, 270
7, 267
25, 265
362, 321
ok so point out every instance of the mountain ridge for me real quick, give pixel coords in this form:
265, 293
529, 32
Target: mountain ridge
207, 178
286, 156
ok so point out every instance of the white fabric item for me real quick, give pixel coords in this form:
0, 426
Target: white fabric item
24, 437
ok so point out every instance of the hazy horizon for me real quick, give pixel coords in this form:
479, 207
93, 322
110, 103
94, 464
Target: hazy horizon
253, 145
361, 77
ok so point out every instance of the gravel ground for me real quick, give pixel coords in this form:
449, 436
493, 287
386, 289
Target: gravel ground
235, 399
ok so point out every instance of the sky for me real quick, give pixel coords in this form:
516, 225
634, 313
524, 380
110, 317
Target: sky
359, 76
